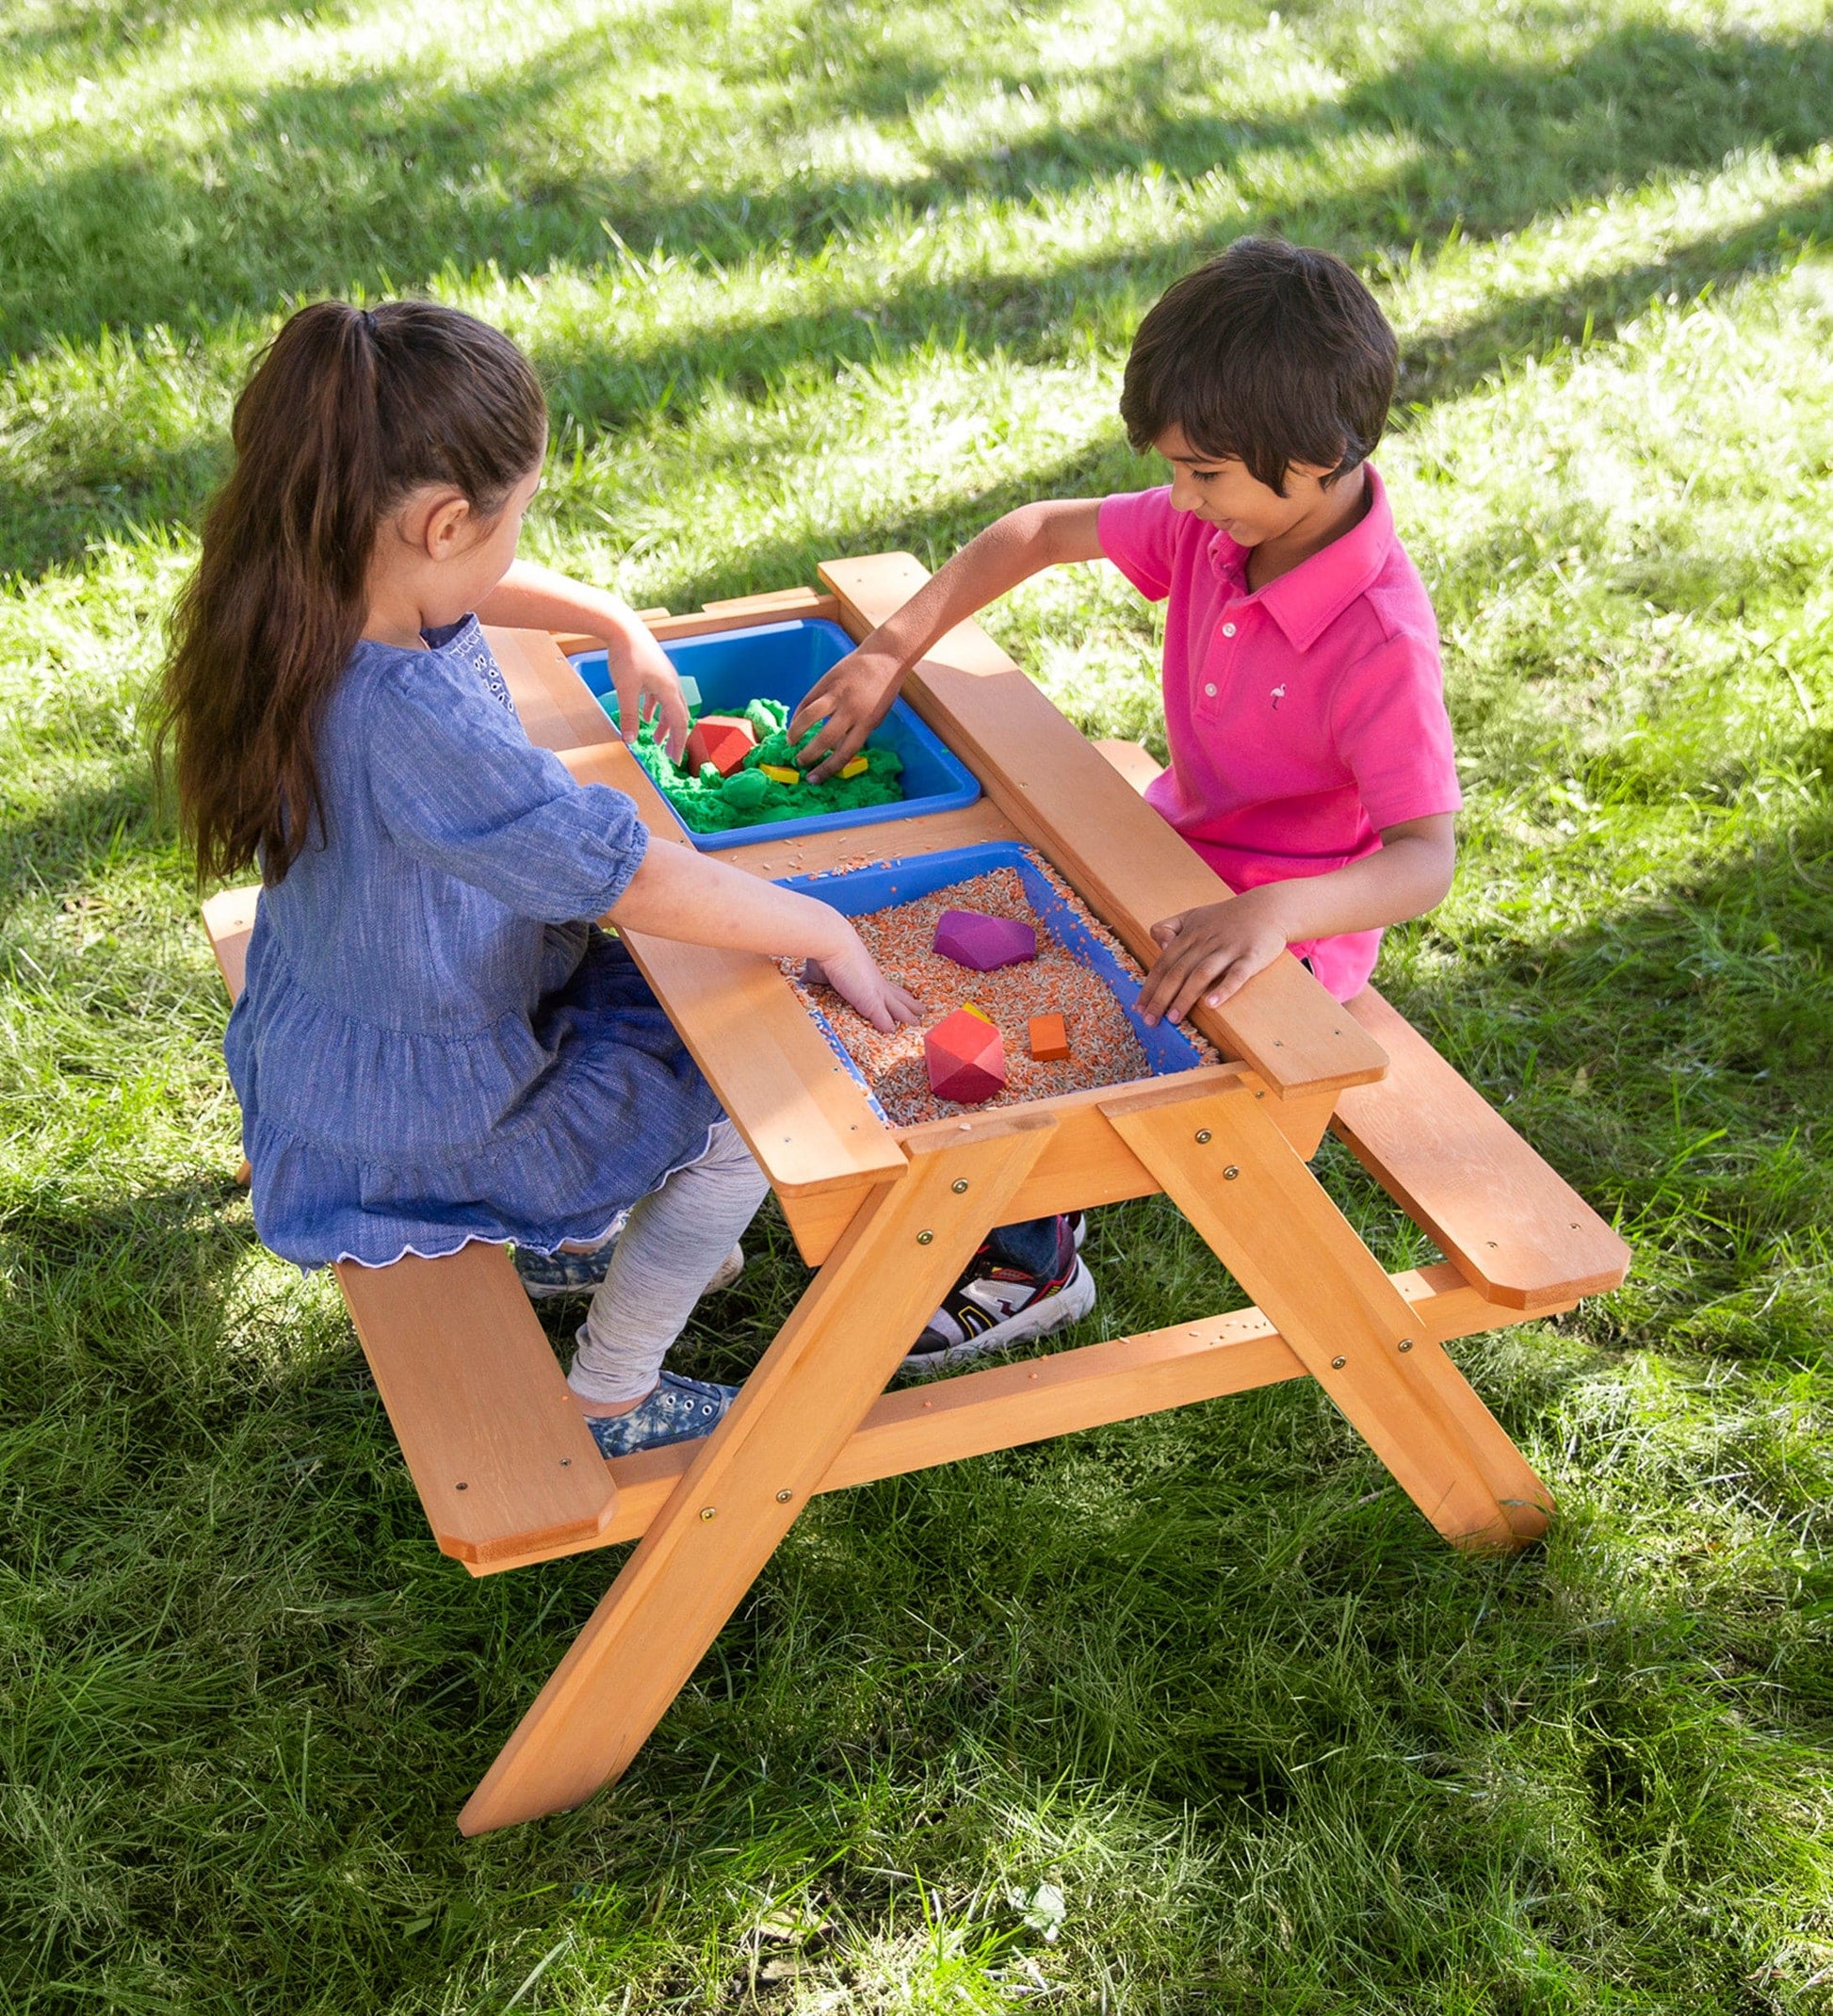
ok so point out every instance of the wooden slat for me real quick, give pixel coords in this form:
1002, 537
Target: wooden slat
1033, 1400
801, 1111
732, 616
1085, 1164
770, 602
1125, 861
497, 1446
980, 824
559, 709
751, 1478
1133, 761
1512, 1224
229, 920
1265, 1217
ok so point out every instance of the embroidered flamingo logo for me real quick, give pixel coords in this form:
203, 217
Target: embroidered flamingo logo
1279, 695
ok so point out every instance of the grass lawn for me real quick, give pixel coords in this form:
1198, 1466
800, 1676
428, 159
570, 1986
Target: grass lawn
1189, 1714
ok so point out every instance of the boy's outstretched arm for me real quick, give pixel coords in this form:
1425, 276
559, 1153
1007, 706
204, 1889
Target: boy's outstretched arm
856, 695
1210, 952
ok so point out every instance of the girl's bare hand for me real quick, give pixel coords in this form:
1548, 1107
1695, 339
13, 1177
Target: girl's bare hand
647, 688
853, 974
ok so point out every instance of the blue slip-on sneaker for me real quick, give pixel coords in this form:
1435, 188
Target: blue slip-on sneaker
679, 1410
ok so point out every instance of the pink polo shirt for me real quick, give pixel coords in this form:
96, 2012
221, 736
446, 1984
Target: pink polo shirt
1301, 720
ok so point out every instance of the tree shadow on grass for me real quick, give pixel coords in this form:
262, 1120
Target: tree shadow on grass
352, 185
55, 847
377, 182
73, 32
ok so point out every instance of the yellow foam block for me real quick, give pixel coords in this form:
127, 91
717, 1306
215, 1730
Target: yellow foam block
778, 774
857, 767
974, 1008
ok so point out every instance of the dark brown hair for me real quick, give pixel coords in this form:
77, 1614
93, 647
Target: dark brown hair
350, 412
1271, 354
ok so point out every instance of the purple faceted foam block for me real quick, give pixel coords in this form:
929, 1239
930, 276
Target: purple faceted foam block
984, 942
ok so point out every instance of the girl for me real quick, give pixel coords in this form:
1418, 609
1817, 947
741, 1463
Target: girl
433, 1044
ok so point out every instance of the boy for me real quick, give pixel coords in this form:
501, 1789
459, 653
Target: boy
1311, 759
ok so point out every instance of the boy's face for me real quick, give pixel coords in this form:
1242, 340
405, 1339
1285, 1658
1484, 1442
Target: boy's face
1219, 490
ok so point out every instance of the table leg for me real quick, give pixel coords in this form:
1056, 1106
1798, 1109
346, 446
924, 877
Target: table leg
810, 1391
1270, 1224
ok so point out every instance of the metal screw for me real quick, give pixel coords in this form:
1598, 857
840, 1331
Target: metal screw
460, 1486
1405, 1344
959, 1184
1229, 1174
566, 1462
1336, 1365
1202, 1137
782, 1497
708, 1512
923, 1239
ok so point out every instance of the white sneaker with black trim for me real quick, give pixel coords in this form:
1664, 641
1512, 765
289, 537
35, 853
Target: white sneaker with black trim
993, 1307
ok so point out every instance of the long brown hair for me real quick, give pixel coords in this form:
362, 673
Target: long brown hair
349, 411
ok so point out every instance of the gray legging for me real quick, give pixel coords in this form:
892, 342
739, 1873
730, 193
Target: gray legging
671, 1245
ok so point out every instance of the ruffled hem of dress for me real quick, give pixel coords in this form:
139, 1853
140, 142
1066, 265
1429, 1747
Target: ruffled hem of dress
587, 1241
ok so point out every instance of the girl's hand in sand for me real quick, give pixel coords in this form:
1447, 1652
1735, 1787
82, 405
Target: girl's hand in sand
851, 972
1208, 953
647, 688
850, 699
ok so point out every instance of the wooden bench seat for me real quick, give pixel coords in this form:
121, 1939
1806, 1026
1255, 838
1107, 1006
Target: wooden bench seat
497, 1448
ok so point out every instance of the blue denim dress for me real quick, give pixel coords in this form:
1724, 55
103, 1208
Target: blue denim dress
431, 1046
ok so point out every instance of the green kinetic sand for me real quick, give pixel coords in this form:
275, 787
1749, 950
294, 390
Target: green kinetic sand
711, 803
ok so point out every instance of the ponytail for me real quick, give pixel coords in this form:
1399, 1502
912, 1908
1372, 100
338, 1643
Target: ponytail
350, 412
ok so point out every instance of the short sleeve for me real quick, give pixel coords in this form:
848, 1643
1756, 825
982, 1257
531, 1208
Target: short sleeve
1138, 532
1390, 728
457, 786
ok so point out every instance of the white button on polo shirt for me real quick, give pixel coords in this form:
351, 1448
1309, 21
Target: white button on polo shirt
1210, 691
1229, 629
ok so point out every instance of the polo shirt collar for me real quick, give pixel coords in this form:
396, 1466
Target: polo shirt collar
1305, 602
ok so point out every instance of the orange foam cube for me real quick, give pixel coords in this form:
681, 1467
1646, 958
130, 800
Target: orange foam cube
722, 739
1048, 1038
967, 1058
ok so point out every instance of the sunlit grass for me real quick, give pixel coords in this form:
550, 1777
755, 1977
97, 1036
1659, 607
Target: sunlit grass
812, 280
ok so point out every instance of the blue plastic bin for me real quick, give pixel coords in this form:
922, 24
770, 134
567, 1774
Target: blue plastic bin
855, 891
781, 661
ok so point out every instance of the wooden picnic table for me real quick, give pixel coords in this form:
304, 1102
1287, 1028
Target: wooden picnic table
888, 1217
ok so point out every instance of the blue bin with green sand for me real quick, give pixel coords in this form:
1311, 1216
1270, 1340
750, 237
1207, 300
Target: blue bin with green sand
779, 661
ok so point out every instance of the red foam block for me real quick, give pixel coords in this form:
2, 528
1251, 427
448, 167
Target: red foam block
984, 942
967, 1058
722, 739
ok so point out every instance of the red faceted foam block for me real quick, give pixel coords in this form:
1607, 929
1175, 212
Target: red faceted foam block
722, 739
984, 942
967, 1058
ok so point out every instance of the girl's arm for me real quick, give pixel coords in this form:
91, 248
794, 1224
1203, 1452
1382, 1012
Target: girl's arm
856, 695
530, 597
1208, 953
677, 893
